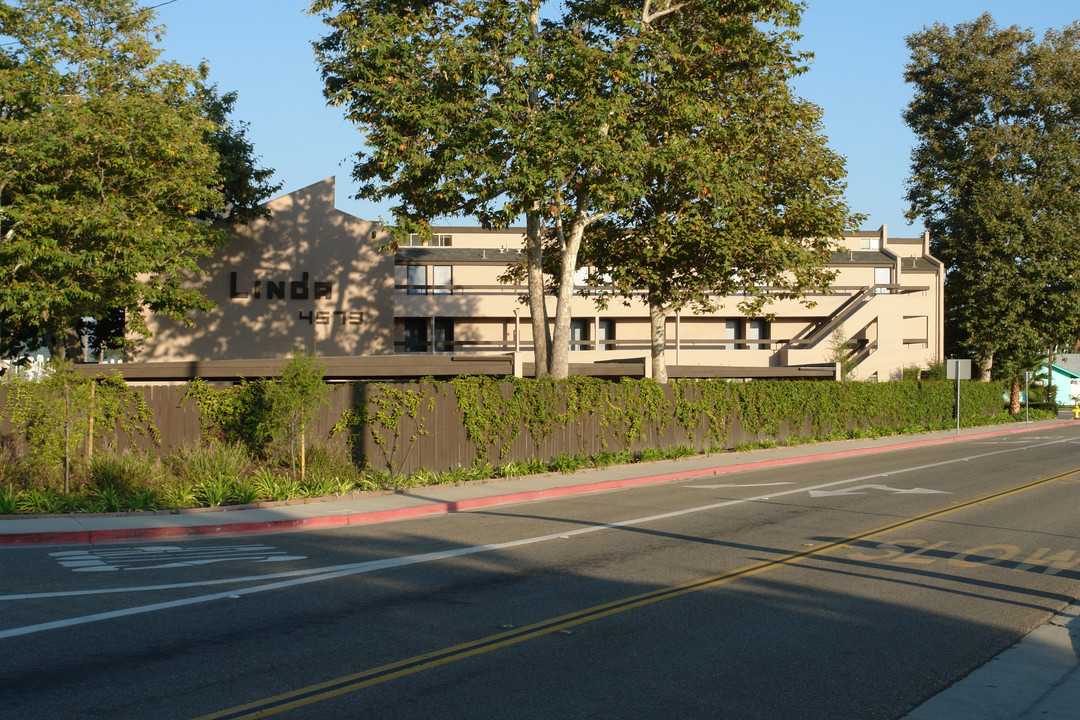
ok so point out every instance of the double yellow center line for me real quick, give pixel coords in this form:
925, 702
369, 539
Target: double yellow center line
375, 676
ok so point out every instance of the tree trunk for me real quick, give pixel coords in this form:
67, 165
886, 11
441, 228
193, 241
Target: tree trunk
658, 338
560, 337
537, 305
63, 344
1014, 397
986, 364
1050, 375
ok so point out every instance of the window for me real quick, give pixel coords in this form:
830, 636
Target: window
416, 240
442, 275
412, 334
579, 331
443, 335
581, 278
605, 330
756, 330
870, 243
732, 331
882, 276
417, 279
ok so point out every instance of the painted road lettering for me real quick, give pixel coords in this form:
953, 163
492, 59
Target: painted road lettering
861, 489
921, 552
158, 557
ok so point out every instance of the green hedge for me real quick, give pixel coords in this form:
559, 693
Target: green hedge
497, 413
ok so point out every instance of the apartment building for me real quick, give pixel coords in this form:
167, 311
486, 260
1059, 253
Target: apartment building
311, 278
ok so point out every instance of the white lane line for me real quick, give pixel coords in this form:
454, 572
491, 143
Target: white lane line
732, 485
336, 571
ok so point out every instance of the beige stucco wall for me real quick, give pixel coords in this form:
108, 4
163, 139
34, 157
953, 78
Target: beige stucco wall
338, 289
339, 299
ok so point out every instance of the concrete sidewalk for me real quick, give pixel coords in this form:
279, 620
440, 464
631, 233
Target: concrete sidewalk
369, 508
1039, 677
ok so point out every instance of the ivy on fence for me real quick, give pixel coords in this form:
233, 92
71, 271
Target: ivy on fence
495, 413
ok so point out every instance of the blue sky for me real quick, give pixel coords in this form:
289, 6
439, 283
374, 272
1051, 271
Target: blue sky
262, 49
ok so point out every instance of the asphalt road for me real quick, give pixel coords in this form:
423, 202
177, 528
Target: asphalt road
851, 588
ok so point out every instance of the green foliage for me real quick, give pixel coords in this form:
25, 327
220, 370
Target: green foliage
840, 352
237, 414
741, 192
1012, 366
40, 501
261, 413
936, 371
335, 469
103, 163
108, 157
54, 415
124, 473
566, 463
704, 406
213, 471
494, 412
487, 109
633, 417
395, 421
272, 485
8, 500
176, 493
294, 399
993, 178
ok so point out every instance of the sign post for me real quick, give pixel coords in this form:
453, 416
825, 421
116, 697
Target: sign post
1027, 396
957, 370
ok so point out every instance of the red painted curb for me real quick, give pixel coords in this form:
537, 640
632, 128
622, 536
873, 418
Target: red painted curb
79, 537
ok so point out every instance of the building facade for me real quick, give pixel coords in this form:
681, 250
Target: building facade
310, 278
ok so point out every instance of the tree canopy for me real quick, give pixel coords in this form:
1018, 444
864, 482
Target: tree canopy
112, 165
497, 110
741, 193
995, 176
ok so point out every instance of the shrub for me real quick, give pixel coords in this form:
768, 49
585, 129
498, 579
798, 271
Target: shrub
8, 500
14, 470
106, 500
125, 472
263, 415
239, 414
271, 485
336, 465
55, 415
295, 397
213, 470
175, 493
566, 463
42, 501
211, 461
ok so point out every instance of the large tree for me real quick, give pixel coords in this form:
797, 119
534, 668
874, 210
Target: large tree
498, 110
995, 176
112, 163
741, 192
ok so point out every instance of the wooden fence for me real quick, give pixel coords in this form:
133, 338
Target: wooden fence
437, 439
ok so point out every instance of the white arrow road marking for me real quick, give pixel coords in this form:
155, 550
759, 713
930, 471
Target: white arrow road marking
859, 490
729, 485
